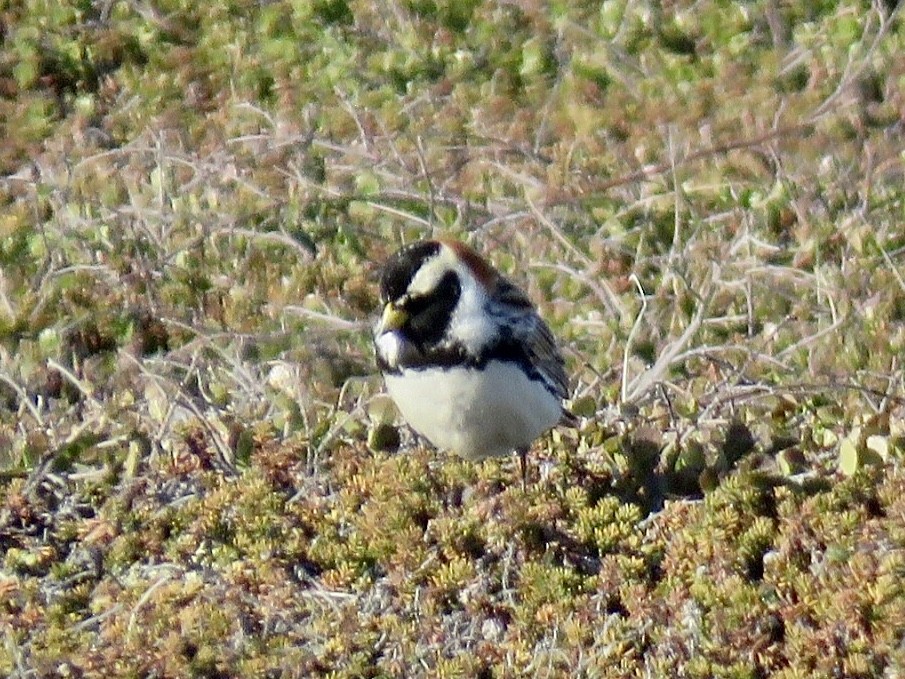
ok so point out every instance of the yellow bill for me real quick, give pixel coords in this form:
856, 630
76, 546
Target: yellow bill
392, 318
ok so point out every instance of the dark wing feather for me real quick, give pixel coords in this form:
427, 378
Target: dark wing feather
529, 329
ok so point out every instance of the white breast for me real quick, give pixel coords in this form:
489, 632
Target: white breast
475, 413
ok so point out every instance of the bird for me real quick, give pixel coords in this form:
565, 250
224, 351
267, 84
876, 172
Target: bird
466, 358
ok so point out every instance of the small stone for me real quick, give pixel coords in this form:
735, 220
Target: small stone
492, 629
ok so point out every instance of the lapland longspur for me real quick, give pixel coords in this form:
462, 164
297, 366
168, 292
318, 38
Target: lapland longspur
465, 356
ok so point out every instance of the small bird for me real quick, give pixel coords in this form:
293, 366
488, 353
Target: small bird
465, 356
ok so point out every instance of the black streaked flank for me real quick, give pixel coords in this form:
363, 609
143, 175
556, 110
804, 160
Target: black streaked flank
506, 350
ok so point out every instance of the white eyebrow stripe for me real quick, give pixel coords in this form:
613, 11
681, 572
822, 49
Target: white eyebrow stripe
432, 270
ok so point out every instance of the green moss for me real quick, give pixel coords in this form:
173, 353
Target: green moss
609, 525
195, 203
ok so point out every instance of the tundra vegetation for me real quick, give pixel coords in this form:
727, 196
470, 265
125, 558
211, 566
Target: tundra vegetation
199, 474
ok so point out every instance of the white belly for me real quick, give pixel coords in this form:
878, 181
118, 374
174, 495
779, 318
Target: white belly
475, 413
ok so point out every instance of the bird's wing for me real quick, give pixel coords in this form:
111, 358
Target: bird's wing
528, 328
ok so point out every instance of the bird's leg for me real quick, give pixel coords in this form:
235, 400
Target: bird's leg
523, 466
